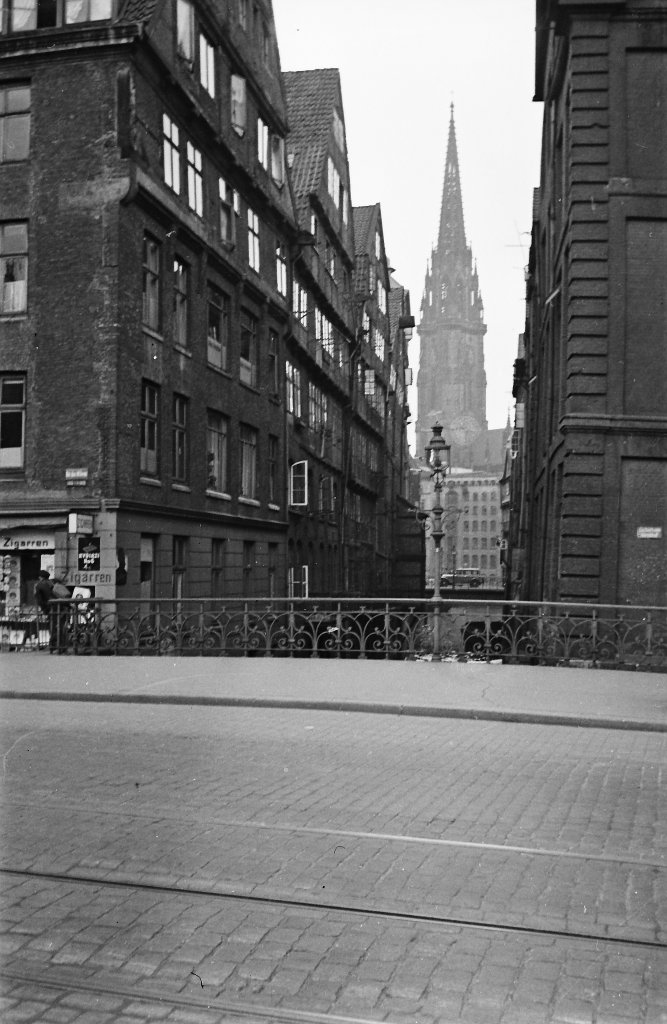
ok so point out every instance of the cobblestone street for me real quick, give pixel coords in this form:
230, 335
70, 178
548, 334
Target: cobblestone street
223, 864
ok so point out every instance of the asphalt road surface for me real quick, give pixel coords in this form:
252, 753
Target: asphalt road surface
204, 865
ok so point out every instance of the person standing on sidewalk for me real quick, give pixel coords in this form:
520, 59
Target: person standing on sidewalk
43, 592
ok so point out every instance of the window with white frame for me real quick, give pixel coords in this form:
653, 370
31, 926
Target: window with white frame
14, 123
216, 452
293, 389
297, 581
185, 31
382, 297
345, 205
248, 349
25, 15
238, 104
263, 143
281, 268
333, 181
206, 64
248, 443
150, 428
217, 335
181, 289
179, 437
12, 420
298, 483
378, 342
277, 159
195, 180
171, 156
13, 267
253, 240
79, 11
299, 302
226, 195
151, 284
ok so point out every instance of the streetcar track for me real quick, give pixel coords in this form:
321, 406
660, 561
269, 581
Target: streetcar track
606, 858
185, 889
242, 1011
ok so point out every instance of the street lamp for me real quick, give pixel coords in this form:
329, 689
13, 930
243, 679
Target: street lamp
437, 458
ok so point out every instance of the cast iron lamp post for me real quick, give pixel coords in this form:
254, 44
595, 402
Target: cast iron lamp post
437, 458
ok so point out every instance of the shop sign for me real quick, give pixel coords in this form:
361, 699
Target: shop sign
79, 522
88, 579
89, 554
76, 476
649, 532
26, 540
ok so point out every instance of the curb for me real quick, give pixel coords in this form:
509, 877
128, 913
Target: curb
357, 707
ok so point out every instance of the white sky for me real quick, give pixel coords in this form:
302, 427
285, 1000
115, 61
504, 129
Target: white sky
401, 64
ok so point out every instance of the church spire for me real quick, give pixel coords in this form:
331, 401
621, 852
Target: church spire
452, 236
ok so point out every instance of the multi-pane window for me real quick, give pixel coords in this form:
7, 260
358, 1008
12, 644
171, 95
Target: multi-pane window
216, 452
206, 64
248, 443
299, 302
378, 342
24, 15
14, 123
185, 30
171, 157
195, 180
12, 421
217, 336
248, 352
293, 395
179, 437
151, 283
13, 267
150, 428
273, 468
253, 240
238, 104
324, 332
229, 208
273, 381
262, 143
316, 407
281, 268
382, 297
181, 276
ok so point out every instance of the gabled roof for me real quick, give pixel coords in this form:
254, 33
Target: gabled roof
364, 218
311, 99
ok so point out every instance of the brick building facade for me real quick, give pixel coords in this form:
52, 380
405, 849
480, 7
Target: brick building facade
148, 239
591, 500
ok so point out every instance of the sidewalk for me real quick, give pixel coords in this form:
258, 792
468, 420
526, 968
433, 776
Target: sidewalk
566, 696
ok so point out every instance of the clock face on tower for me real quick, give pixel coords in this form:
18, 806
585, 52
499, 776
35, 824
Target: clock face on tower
464, 429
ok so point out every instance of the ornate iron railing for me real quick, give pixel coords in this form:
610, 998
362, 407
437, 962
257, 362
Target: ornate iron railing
537, 633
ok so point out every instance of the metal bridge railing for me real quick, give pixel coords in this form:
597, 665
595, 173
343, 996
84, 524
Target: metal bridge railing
535, 633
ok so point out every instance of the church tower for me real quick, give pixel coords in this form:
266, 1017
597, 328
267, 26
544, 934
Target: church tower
451, 383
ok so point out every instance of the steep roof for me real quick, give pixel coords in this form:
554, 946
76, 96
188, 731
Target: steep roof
364, 218
311, 99
452, 235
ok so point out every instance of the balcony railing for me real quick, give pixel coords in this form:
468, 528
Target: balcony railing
627, 637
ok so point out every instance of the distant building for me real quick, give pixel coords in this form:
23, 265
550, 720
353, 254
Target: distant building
451, 384
592, 503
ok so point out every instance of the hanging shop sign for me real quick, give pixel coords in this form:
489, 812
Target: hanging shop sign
89, 554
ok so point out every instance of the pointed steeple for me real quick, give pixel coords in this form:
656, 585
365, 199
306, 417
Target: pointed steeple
452, 236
